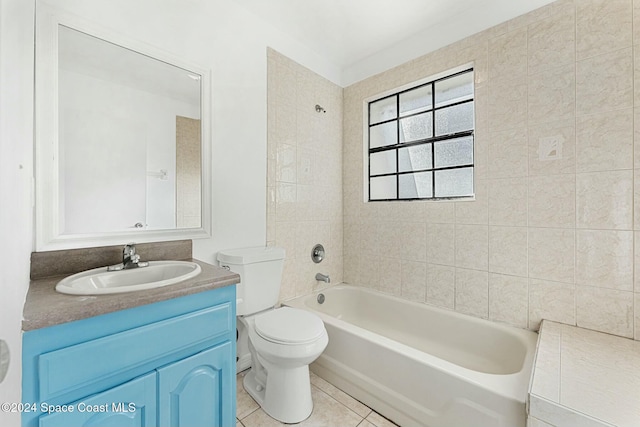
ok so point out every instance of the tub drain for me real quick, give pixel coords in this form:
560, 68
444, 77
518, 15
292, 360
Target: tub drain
320, 298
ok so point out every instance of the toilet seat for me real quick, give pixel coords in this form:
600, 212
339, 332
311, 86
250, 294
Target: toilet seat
289, 326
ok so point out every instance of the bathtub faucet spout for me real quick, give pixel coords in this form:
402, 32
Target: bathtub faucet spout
322, 278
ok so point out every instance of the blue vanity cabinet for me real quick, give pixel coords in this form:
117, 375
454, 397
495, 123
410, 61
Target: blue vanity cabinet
132, 404
167, 364
184, 385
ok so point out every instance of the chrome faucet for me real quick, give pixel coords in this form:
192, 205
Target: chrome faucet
323, 278
130, 259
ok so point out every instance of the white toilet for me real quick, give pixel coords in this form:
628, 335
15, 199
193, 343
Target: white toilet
282, 342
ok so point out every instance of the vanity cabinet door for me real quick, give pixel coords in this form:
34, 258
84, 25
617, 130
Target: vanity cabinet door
195, 391
132, 404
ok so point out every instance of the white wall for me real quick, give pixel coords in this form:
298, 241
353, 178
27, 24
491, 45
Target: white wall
16, 151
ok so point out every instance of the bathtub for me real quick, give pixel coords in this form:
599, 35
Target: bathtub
419, 365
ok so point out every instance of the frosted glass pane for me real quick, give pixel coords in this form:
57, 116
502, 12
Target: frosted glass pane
414, 158
384, 109
454, 119
454, 89
416, 185
383, 187
383, 135
454, 182
382, 162
454, 152
416, 100
415, 128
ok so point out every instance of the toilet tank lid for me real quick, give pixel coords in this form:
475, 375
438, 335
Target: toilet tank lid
251, 255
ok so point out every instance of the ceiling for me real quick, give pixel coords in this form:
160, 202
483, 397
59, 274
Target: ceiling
351, 32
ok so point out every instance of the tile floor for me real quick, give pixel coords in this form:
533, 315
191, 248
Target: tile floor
332, 408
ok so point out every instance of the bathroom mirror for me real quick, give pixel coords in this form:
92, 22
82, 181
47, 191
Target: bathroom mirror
122, 139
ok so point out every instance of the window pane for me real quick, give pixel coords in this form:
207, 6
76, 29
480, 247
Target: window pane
382, 187
382, 162
414, 158
383, 135
454, 182
454, 152
416, 185
384, 109
415, 128
454, 119
416, 100
454, 89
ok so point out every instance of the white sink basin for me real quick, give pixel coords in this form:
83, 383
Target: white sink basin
99, 281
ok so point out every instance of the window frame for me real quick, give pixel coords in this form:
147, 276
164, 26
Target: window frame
427, 142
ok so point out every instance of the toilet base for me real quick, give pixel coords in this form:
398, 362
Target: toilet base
286, 396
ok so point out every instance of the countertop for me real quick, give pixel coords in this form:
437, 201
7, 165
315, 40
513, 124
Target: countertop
585, 378
45, 307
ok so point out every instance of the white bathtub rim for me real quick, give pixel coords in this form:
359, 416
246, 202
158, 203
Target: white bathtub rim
512, 386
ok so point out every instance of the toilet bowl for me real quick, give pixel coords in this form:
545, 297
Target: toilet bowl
283, 342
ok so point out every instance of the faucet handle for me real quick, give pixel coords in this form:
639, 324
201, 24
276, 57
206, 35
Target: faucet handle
129, 249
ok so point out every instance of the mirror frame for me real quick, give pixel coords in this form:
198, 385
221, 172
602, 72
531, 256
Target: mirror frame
47, 213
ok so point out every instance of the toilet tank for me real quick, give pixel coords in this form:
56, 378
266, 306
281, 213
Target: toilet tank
260, 271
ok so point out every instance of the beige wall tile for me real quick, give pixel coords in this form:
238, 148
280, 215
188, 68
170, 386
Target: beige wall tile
562, 222
441, 244
414, 280
636, 242
602, 26
390, 272
552, 254
508, 154
508, 55
472, 292
413, 241
507, 104
303, 209
390, 240
474, 211
604, 200
636, 21
370, 233
441, 285
551, 41
552, 201
636, 305
605, 259
605, 310
286, 198
604, 141
508, 250
636, 135
369, 271
508, 296
351, 269
472, 246
604, 82
552, 301
440, 212
286, 163
636, 199
551, 95
508, 201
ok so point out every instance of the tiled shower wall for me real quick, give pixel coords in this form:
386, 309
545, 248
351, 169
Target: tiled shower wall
304, 173
549, 239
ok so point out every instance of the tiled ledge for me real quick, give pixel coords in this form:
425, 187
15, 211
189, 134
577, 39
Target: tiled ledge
584, 378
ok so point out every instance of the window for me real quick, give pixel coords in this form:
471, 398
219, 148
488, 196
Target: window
421, 141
